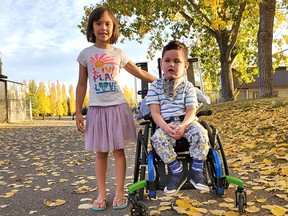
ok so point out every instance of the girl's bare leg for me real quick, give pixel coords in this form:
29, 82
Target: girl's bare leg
120, 171
101, 169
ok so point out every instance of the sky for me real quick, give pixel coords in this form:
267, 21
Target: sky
40, 40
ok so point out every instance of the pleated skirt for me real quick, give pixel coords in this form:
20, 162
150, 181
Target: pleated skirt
109, 128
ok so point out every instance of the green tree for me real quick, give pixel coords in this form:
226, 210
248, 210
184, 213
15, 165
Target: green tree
213, 24
64, 102
43, 100
59, 102
32, 86
53, 99
72, 103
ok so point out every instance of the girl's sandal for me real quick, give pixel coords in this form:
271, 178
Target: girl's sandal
99, 203
117, 201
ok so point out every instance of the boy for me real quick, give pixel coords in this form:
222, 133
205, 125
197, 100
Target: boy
173, 103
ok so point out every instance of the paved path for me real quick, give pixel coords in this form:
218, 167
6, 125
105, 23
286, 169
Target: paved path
45, 161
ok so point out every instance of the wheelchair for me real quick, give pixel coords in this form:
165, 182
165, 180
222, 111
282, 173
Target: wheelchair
216, 169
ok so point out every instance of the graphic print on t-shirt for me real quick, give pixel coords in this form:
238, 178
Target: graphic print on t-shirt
104, 73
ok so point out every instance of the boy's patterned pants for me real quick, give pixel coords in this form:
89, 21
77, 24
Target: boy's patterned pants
196, 135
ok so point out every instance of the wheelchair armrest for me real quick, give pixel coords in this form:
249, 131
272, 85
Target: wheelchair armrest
204, 113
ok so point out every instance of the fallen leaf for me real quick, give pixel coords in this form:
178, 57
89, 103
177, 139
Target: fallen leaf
278, 210
252, 209
85, 206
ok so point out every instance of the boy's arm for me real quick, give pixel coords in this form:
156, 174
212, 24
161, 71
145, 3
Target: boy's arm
189, 116
137, 72
158, 119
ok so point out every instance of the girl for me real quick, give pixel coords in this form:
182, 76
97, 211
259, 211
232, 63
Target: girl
109, 121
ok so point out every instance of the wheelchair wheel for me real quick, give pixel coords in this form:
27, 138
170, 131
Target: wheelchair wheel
213, 172
141, 162
220, 147
137, 156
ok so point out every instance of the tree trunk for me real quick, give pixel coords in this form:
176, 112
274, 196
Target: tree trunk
265, 39
227, 85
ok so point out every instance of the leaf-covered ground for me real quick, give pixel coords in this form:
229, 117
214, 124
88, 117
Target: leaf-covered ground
44, 169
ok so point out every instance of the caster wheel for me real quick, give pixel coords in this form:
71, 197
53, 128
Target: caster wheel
139, 209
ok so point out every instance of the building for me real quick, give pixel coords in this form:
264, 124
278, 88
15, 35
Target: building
251, 90
13, 101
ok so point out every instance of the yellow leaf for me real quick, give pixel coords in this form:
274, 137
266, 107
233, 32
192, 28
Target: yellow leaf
165, 203
85, 206
182, 204
166, 198
179, 210
164, 208
222, 25
228, 205
252, 209
283, 196
261, 200
231, 213
228, 199
154, 213
9, 194
266, 172
217, 212
284, 171
278, 210
258, 187
267, 162
194, 210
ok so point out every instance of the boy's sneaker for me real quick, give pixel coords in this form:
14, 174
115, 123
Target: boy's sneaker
198, 181
175, 184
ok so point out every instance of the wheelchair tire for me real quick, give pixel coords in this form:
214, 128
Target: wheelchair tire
225, 164
137, 156
214, 172
241, 203
144, 153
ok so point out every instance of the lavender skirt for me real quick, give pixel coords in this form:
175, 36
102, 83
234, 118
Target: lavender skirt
109, 128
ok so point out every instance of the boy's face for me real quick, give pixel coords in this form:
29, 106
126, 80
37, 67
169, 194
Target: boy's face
174, 64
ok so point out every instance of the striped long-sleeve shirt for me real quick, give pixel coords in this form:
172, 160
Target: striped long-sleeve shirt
186, 97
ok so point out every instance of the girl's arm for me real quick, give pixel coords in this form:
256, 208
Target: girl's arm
137, 72
80, 95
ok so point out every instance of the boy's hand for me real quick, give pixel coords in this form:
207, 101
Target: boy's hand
170, 129
179, 131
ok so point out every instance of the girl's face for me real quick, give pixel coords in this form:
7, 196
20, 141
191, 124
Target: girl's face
174, 64
103, 28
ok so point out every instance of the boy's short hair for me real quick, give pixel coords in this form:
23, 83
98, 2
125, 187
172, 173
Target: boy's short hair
176, 45
95, 15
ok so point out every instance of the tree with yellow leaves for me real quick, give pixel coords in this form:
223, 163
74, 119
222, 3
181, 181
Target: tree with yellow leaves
64, 100
72, 102
59, 102
43, 100
53, 99
129, 96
